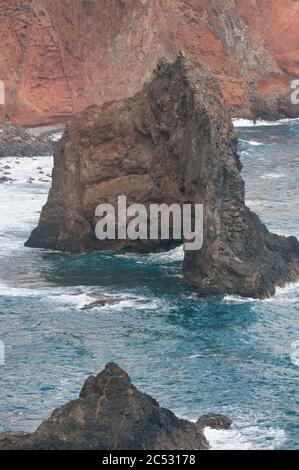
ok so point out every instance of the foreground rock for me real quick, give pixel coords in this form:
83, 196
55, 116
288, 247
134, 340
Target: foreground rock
171, 143
111, 414
18, 142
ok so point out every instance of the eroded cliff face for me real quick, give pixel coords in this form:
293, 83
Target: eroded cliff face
111, 413
173, 142
59, 56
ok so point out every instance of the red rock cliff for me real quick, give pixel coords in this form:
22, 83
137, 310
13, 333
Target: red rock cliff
59, 56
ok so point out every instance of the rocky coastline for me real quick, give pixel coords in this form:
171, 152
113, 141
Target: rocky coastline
135, 99
22, 142
112, 414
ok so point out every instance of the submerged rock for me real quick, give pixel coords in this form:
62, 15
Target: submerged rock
100, 303
111, 414
214, 421
171, 143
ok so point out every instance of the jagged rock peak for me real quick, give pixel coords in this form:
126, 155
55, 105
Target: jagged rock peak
111, 414
105, 381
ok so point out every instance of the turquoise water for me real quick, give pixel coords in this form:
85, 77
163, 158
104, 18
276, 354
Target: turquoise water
234, 356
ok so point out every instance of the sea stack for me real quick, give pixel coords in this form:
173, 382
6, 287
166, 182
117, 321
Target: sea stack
111, 414
173, 142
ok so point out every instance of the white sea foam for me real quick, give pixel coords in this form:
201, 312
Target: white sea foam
165, 257
24, 168
26, 195
72, 299
284, 233
36, 291
177, 254
273, 175
287, 294
251, 142
246, 438
246, 154
56, 137
288, 288
248, 123
8, 291
137, 303
294, 354
204, 356
247, 432
79, 299
235, 299
83, 296
257, 203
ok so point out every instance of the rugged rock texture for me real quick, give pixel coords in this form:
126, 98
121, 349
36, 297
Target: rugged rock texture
59, 56
173, 143
18, 142
214, 421
111, 414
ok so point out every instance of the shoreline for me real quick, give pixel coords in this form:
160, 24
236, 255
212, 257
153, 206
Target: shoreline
66, 302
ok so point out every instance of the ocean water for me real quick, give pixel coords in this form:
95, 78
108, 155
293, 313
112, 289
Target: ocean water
234, 356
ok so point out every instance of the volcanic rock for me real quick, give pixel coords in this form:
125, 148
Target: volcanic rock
111, 414
19, 142
173, 142
99, 303
214, 421
60, 56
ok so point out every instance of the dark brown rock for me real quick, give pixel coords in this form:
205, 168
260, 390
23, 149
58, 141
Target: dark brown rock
172, 143
111, 414
214, 421
100, 303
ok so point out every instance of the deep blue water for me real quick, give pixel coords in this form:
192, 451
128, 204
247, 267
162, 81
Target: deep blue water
234, 356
